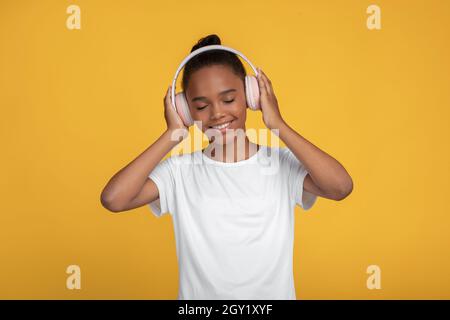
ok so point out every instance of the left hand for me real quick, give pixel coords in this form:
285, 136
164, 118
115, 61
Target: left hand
269, 104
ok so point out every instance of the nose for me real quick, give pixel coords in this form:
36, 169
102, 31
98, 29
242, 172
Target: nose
216, 112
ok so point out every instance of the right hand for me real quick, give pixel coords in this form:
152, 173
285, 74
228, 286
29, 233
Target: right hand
173, 120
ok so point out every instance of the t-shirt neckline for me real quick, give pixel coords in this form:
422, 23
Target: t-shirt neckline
251, 159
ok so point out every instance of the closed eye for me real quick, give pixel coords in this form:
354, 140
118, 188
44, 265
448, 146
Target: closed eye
228, 101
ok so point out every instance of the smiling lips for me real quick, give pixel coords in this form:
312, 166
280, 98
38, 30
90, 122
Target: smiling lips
222, 126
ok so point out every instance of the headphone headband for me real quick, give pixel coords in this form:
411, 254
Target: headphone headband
203, 49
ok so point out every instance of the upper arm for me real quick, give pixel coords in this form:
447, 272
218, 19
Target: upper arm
148, 193
311, 187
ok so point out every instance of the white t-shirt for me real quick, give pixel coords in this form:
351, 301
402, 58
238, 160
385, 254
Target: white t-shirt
233, 222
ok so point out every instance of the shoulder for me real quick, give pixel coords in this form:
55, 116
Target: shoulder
185, 158
281, 152
276, 158
284, 157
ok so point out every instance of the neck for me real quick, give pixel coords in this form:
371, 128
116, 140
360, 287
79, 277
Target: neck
231, 152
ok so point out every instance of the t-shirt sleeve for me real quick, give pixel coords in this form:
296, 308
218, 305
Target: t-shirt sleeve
163, 175
296, 176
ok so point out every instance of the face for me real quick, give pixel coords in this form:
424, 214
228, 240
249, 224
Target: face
216, 96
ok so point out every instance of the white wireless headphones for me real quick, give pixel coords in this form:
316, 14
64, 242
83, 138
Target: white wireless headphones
179, 100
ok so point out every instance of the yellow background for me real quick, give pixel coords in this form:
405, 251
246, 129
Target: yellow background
78, 105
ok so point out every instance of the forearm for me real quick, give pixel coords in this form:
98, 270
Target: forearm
326, 172
127, 183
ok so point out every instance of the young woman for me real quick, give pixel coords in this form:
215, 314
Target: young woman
234, 225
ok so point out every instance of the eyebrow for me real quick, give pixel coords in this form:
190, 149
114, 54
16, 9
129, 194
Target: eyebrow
204, 98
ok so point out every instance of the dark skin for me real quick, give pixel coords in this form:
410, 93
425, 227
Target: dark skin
326, 176
130, 187
216, 108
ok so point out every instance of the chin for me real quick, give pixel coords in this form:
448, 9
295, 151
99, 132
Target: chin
229, 137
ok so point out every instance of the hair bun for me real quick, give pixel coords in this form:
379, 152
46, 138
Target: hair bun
207, 41
211, 58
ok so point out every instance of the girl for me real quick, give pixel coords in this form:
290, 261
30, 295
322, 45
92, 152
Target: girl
233, 225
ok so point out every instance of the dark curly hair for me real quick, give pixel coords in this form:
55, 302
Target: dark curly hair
212, 57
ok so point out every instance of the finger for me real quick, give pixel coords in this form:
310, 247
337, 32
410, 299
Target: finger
261, 83
267, 82
263, 80
168, 97
266, 77
167, 94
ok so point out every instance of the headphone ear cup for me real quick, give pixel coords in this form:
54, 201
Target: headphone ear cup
183, 109
252, 92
